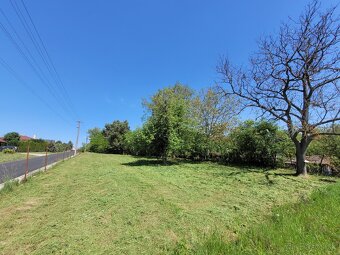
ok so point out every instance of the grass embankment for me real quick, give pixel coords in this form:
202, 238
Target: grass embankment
111, 204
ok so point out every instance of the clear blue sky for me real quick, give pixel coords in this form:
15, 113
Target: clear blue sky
111, 54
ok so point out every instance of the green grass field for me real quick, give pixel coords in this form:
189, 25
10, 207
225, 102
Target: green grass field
114, 204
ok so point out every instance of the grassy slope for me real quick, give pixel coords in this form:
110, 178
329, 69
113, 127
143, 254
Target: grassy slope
309, 227
113, 204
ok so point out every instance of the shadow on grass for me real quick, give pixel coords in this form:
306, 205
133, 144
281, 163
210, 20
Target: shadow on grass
328, 180
158, 162
150, 162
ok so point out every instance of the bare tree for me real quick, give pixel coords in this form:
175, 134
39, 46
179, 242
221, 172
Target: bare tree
215, 112
293, 77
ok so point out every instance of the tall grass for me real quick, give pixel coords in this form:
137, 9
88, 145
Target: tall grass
311, 226
9, 186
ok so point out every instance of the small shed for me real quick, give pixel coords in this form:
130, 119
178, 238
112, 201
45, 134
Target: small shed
317, 163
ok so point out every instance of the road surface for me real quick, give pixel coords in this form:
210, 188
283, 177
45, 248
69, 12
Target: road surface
14, 169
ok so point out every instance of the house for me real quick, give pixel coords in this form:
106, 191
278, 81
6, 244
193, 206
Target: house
25, 138
2, 141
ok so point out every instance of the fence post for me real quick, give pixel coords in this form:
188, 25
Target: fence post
63, 155
45, 158
27, 155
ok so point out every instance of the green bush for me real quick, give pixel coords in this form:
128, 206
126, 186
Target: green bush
36, 145
8, 151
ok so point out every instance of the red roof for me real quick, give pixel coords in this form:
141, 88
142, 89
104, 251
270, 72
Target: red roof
25, 138
2, 140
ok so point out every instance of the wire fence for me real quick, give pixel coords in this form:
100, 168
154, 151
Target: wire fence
14, 169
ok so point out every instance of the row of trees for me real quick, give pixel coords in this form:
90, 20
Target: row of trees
197, 125
110, 139
202, 126
36, 145
39, 145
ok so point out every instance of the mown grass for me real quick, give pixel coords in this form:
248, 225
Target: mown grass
113, 204
308, 227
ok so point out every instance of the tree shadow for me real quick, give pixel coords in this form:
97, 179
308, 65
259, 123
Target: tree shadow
153, 161
150, 162
328, 180
284, 174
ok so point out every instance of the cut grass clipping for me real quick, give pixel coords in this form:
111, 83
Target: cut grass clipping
117, 204
308, 227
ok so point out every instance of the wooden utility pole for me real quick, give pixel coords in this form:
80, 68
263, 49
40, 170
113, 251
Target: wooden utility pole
76, 145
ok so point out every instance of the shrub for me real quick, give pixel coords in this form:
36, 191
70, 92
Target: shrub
8, 151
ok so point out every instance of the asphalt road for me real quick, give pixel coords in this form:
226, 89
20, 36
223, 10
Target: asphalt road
11, 170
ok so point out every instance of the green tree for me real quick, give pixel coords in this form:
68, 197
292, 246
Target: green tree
169, 119
114, 133
138, 142
98, 143
327, 146
69, 145
256, 143
214, 116
12, 138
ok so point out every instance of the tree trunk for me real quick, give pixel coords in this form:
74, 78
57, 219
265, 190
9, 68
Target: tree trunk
301, 168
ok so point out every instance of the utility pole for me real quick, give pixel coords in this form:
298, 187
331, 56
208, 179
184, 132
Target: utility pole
78, 127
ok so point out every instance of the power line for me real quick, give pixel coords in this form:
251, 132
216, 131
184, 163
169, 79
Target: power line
48, 56
35, 67
60, 96
23, 83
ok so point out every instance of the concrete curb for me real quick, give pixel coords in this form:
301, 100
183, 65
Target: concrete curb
42, 169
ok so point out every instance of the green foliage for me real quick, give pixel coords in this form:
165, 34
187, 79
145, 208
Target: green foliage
138, 142
98, 143
12, 138
257, 143
39, 145
8, 151
36, 145
327, 145
169, 120
114, 133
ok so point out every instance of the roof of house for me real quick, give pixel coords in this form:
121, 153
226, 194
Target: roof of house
2, 140
25, 138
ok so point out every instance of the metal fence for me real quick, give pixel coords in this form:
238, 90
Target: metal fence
14, 169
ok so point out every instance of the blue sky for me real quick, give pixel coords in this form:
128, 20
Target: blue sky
112, 54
